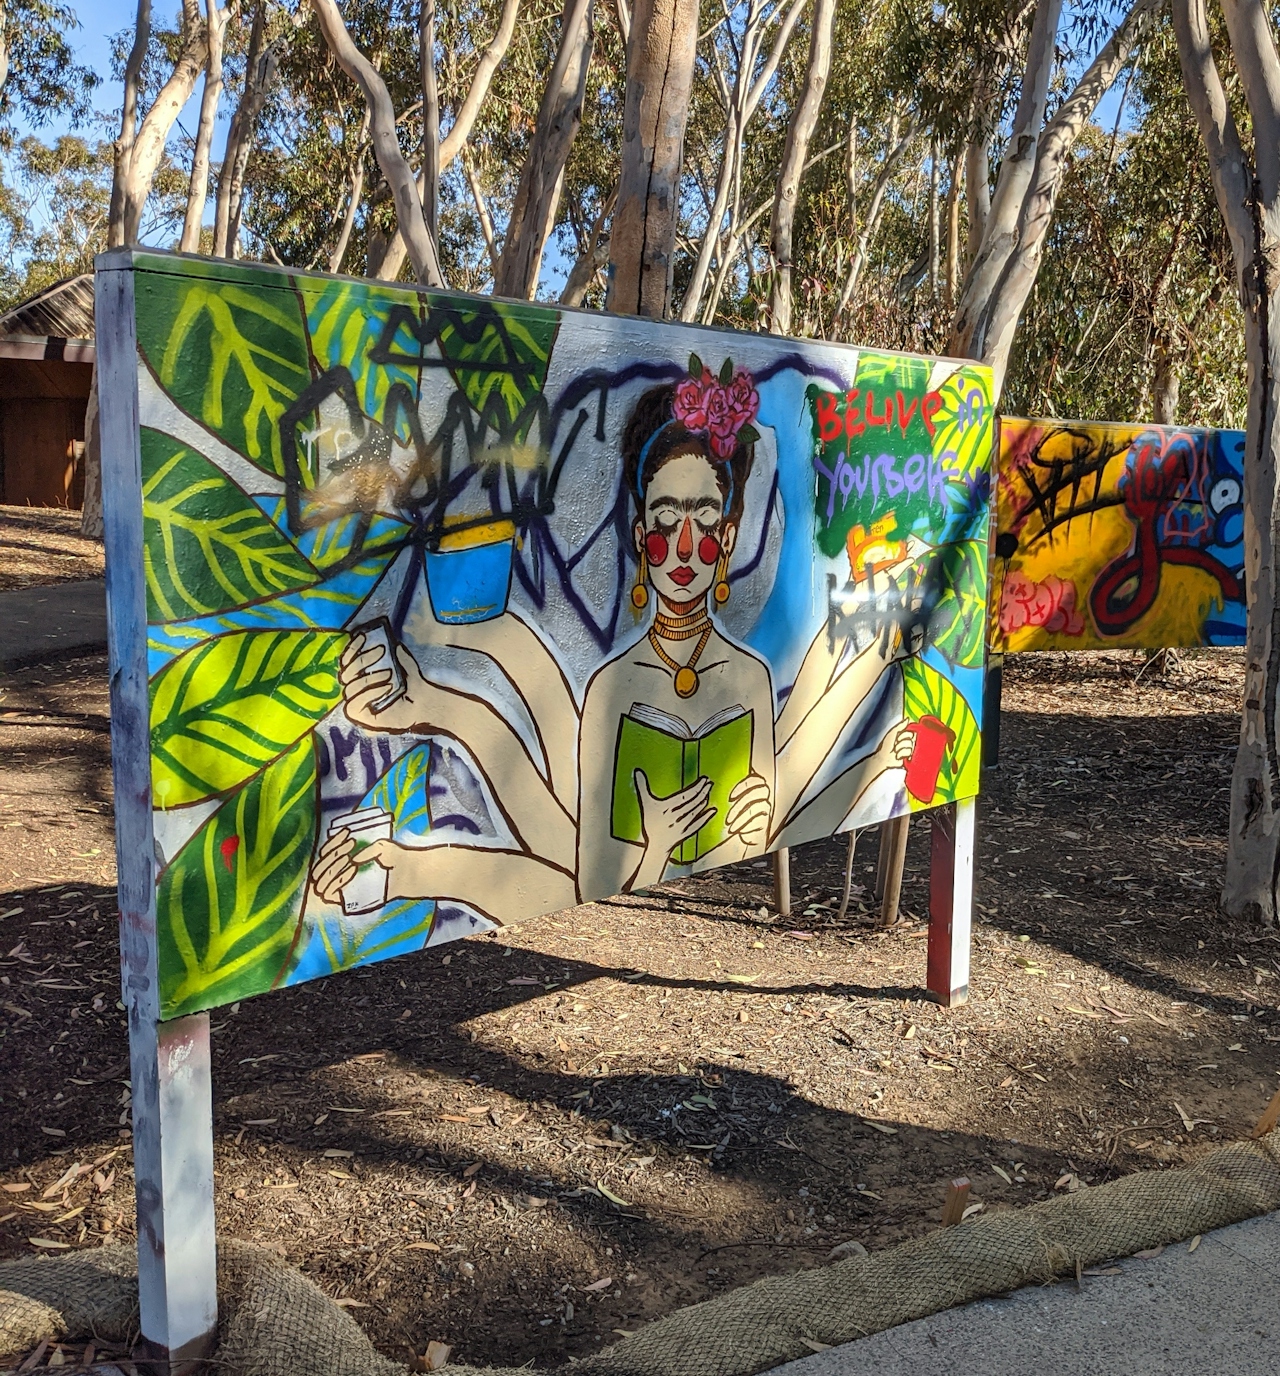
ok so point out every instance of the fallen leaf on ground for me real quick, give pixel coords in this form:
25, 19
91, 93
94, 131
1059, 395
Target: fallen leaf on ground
596, 1285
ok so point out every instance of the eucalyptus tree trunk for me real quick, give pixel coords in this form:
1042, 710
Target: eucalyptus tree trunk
354, 191
895, 148
1001, 232
140, 147
740, 103
387, 258
1247, 186
661, 46
123, 150
429, 177
977, 191
198, 193
259, 70
1166, 384
591, 259
1007, 260
804, 120
533, 212
386, 144
4, 44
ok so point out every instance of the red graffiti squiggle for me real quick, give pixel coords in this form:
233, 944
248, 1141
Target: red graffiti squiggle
1050, 604
1157, 475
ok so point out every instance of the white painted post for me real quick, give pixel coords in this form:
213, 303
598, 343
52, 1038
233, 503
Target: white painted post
782, 881
173, 1170
172, 1098
950, 901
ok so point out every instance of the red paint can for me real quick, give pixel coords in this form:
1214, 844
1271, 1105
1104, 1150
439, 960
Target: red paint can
933, 739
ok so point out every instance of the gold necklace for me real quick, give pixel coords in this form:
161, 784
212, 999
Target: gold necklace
686, 675
668, 624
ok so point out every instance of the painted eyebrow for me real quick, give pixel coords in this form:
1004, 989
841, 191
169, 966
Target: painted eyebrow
689, 504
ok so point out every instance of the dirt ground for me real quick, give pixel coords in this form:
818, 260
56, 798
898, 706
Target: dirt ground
41, 545
527, 1143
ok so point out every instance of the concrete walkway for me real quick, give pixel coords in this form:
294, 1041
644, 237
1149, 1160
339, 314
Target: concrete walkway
1211, 1312
52, 622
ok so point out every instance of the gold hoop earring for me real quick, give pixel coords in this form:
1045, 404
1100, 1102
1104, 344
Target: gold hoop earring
640, 592
721, 592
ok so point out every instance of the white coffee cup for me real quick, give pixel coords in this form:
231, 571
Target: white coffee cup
367, 891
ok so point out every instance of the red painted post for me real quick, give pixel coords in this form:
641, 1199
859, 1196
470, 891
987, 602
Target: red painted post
950, 901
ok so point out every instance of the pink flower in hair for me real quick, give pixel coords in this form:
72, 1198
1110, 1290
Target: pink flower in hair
690, 404
720, 410
744, 400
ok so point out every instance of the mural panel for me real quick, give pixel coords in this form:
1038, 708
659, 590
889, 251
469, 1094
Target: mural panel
1117, 535
461, 610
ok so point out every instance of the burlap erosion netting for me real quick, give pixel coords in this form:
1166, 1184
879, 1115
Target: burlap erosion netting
272, 1321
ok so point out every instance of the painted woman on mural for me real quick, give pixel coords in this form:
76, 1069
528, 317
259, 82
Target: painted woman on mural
678, 758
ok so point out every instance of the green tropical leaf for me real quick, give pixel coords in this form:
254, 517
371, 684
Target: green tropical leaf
926, 693
893, 372
227, 906
498, 353
957, 621
233, 356
963, 426
346, 320
230, 705
208, 544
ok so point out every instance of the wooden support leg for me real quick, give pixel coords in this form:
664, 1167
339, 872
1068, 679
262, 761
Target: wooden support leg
173, 1167
992, 690
893, 860
950, 901
782, 881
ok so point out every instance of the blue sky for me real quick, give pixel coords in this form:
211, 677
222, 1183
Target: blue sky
99, 19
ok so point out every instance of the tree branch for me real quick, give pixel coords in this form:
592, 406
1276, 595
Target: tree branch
382, 118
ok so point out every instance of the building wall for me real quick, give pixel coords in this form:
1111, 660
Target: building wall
42, 414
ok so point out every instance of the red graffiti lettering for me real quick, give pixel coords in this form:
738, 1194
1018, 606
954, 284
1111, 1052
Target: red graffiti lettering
853, 422
929, 408
829, 426
904, 416
873, 418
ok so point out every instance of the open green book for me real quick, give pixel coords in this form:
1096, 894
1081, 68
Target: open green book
673, 757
